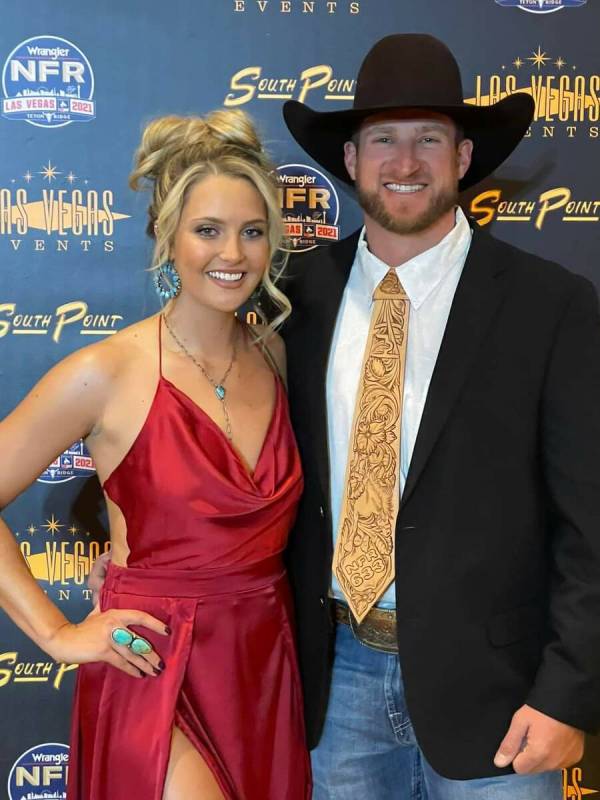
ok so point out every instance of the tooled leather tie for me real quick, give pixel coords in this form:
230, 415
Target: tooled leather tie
363, 561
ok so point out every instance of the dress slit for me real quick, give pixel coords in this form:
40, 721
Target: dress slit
205, 750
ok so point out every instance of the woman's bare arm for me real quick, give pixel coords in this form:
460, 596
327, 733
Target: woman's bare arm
66, 404
63, 407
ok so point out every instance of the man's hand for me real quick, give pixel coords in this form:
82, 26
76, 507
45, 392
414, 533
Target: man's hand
536, 742
97, 576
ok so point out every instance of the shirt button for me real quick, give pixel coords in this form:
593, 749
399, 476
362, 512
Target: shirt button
322, 512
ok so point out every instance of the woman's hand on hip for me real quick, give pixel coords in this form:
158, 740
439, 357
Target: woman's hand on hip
106, 636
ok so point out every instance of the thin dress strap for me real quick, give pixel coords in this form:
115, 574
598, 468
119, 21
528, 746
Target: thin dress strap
268, 356
160, 345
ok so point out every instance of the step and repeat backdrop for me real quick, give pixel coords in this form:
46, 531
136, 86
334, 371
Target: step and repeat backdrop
78, 83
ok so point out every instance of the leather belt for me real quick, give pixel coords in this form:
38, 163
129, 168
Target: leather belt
377, 630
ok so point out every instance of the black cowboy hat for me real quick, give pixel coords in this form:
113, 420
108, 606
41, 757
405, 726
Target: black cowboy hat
416, 71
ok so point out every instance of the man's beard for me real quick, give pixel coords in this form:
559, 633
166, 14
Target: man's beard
404, 224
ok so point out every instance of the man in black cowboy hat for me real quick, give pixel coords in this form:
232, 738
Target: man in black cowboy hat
445, 392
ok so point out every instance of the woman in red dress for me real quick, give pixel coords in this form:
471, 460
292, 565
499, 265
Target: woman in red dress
189, 686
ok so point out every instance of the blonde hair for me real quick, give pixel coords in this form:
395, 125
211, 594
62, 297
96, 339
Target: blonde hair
177, 152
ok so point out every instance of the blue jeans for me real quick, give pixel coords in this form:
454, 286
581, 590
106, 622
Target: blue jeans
368, 748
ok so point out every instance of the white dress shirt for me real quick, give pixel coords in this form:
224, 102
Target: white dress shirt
430, 280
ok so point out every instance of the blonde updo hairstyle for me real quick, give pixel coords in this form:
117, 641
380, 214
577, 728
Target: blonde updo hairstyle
177, 152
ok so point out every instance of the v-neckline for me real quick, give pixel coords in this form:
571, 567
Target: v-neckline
251, 474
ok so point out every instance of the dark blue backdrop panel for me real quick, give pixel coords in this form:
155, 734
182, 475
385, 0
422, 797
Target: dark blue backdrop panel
79, 82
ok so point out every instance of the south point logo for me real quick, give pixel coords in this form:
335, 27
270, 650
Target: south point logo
40, 772
16, 671
557, 204
309, 207
251, 83
48, 82
75, 316
541, 6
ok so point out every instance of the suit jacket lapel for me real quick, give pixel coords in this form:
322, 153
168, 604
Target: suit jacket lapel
477, 298
327, 299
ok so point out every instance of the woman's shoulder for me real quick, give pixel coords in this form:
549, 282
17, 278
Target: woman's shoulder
272, 343
117, 354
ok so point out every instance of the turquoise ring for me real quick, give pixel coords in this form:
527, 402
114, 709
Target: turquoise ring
140, 646
122, 636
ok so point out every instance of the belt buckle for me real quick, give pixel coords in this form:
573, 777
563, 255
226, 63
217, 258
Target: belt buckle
381, 647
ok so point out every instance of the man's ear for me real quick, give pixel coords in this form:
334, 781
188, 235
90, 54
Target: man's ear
350, 159
465, 151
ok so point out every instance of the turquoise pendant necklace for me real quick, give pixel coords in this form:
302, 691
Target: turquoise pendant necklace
219, 388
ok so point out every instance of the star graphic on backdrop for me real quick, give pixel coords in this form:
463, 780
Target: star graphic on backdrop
539, 59
52, 525
31, 529
49, 172
71, 178
560, 62
73, 530
27, 177
518, 62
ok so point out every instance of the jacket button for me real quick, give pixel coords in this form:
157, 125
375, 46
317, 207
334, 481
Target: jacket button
322, 512
322, 600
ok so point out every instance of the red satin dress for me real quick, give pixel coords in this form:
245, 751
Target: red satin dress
205, 539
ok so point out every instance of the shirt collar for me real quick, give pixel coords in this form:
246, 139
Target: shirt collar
423, 273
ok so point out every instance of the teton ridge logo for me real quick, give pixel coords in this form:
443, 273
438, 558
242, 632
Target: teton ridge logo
541, 6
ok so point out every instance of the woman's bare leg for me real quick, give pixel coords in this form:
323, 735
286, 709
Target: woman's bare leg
188, 775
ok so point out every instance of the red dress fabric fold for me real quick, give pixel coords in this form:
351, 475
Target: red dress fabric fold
205, 539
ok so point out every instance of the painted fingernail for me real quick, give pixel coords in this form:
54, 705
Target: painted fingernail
142, 674
161, 665
157, 671
168, 630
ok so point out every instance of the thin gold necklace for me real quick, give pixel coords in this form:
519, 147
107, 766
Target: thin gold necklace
219, 388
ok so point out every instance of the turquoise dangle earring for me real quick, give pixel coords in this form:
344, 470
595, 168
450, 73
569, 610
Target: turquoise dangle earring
167, 281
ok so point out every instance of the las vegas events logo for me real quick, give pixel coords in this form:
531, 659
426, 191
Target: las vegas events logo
541, 6
48, 82
321, 7
52, 207
60, 555
573, 788
567, 98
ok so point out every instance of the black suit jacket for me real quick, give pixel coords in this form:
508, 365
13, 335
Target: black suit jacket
498, 535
